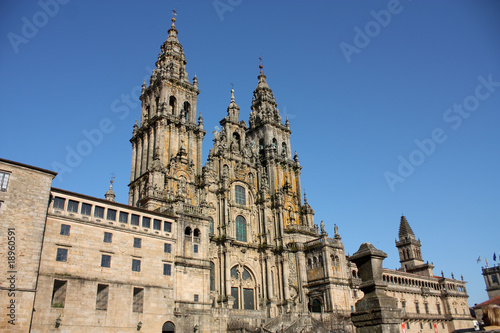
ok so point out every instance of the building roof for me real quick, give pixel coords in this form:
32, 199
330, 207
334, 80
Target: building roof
28, 166
494, 300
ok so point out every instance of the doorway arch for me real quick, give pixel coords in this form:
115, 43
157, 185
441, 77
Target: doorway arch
168, 327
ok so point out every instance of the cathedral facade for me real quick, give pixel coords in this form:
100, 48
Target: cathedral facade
230, 245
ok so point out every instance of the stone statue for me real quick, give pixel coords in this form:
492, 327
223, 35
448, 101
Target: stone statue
322, 227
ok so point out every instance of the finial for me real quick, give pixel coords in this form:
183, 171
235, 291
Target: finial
305, 197
174, 13
232, 92
260, 66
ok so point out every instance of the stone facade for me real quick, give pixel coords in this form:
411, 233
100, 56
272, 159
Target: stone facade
24, 194
492, 280
231, 245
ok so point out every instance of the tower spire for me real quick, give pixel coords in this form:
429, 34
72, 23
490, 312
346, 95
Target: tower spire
264, 106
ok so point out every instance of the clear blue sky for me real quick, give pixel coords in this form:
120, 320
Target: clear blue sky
357, 103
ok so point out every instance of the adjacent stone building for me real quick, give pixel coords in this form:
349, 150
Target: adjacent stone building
230, 245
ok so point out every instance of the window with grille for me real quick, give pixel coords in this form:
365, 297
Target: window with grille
167, 269
108, 237
156, 224
111, 215
239, 194
241, 229
85, 210
105, 260
167, 226
138, 242
99, 212
123, 218
59, 203
136, 265
4, 181
65, 229
62, 255
134, 220
73, 206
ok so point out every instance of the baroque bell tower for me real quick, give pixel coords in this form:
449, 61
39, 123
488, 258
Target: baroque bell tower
167, 144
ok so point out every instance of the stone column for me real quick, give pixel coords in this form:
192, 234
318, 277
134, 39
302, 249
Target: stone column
134, 160
376, 312
145, 149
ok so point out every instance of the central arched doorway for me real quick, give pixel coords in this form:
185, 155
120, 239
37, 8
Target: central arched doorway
168, 327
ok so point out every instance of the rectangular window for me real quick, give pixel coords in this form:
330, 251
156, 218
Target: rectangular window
73, 206
196, 297
408, 325
134, 220
108, 237
138, 300
146, 222
156, 224
234, 293
138, 242
85, 210
417, 308
101, 302
62, 255
426, 307
167, 269
167, 248
239, 194
4, 180
59, 203
438, 308
59, 293
248, 302
99, 212
123, 217
167, 226
195, 249
136, 265
105, 260
111, 215
65, 229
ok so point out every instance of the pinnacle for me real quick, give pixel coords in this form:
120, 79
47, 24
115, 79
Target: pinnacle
405, 229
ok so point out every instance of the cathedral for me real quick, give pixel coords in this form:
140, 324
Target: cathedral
230, 245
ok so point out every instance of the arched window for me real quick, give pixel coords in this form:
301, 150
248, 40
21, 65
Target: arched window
196, 232
187, 110
187, 231
284, 151
309, 263
275, 144
261, 145
241, 229
168, 327
315, 306
211, 225
242, 289
212, 276
239, 195
172, 103
320, 260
